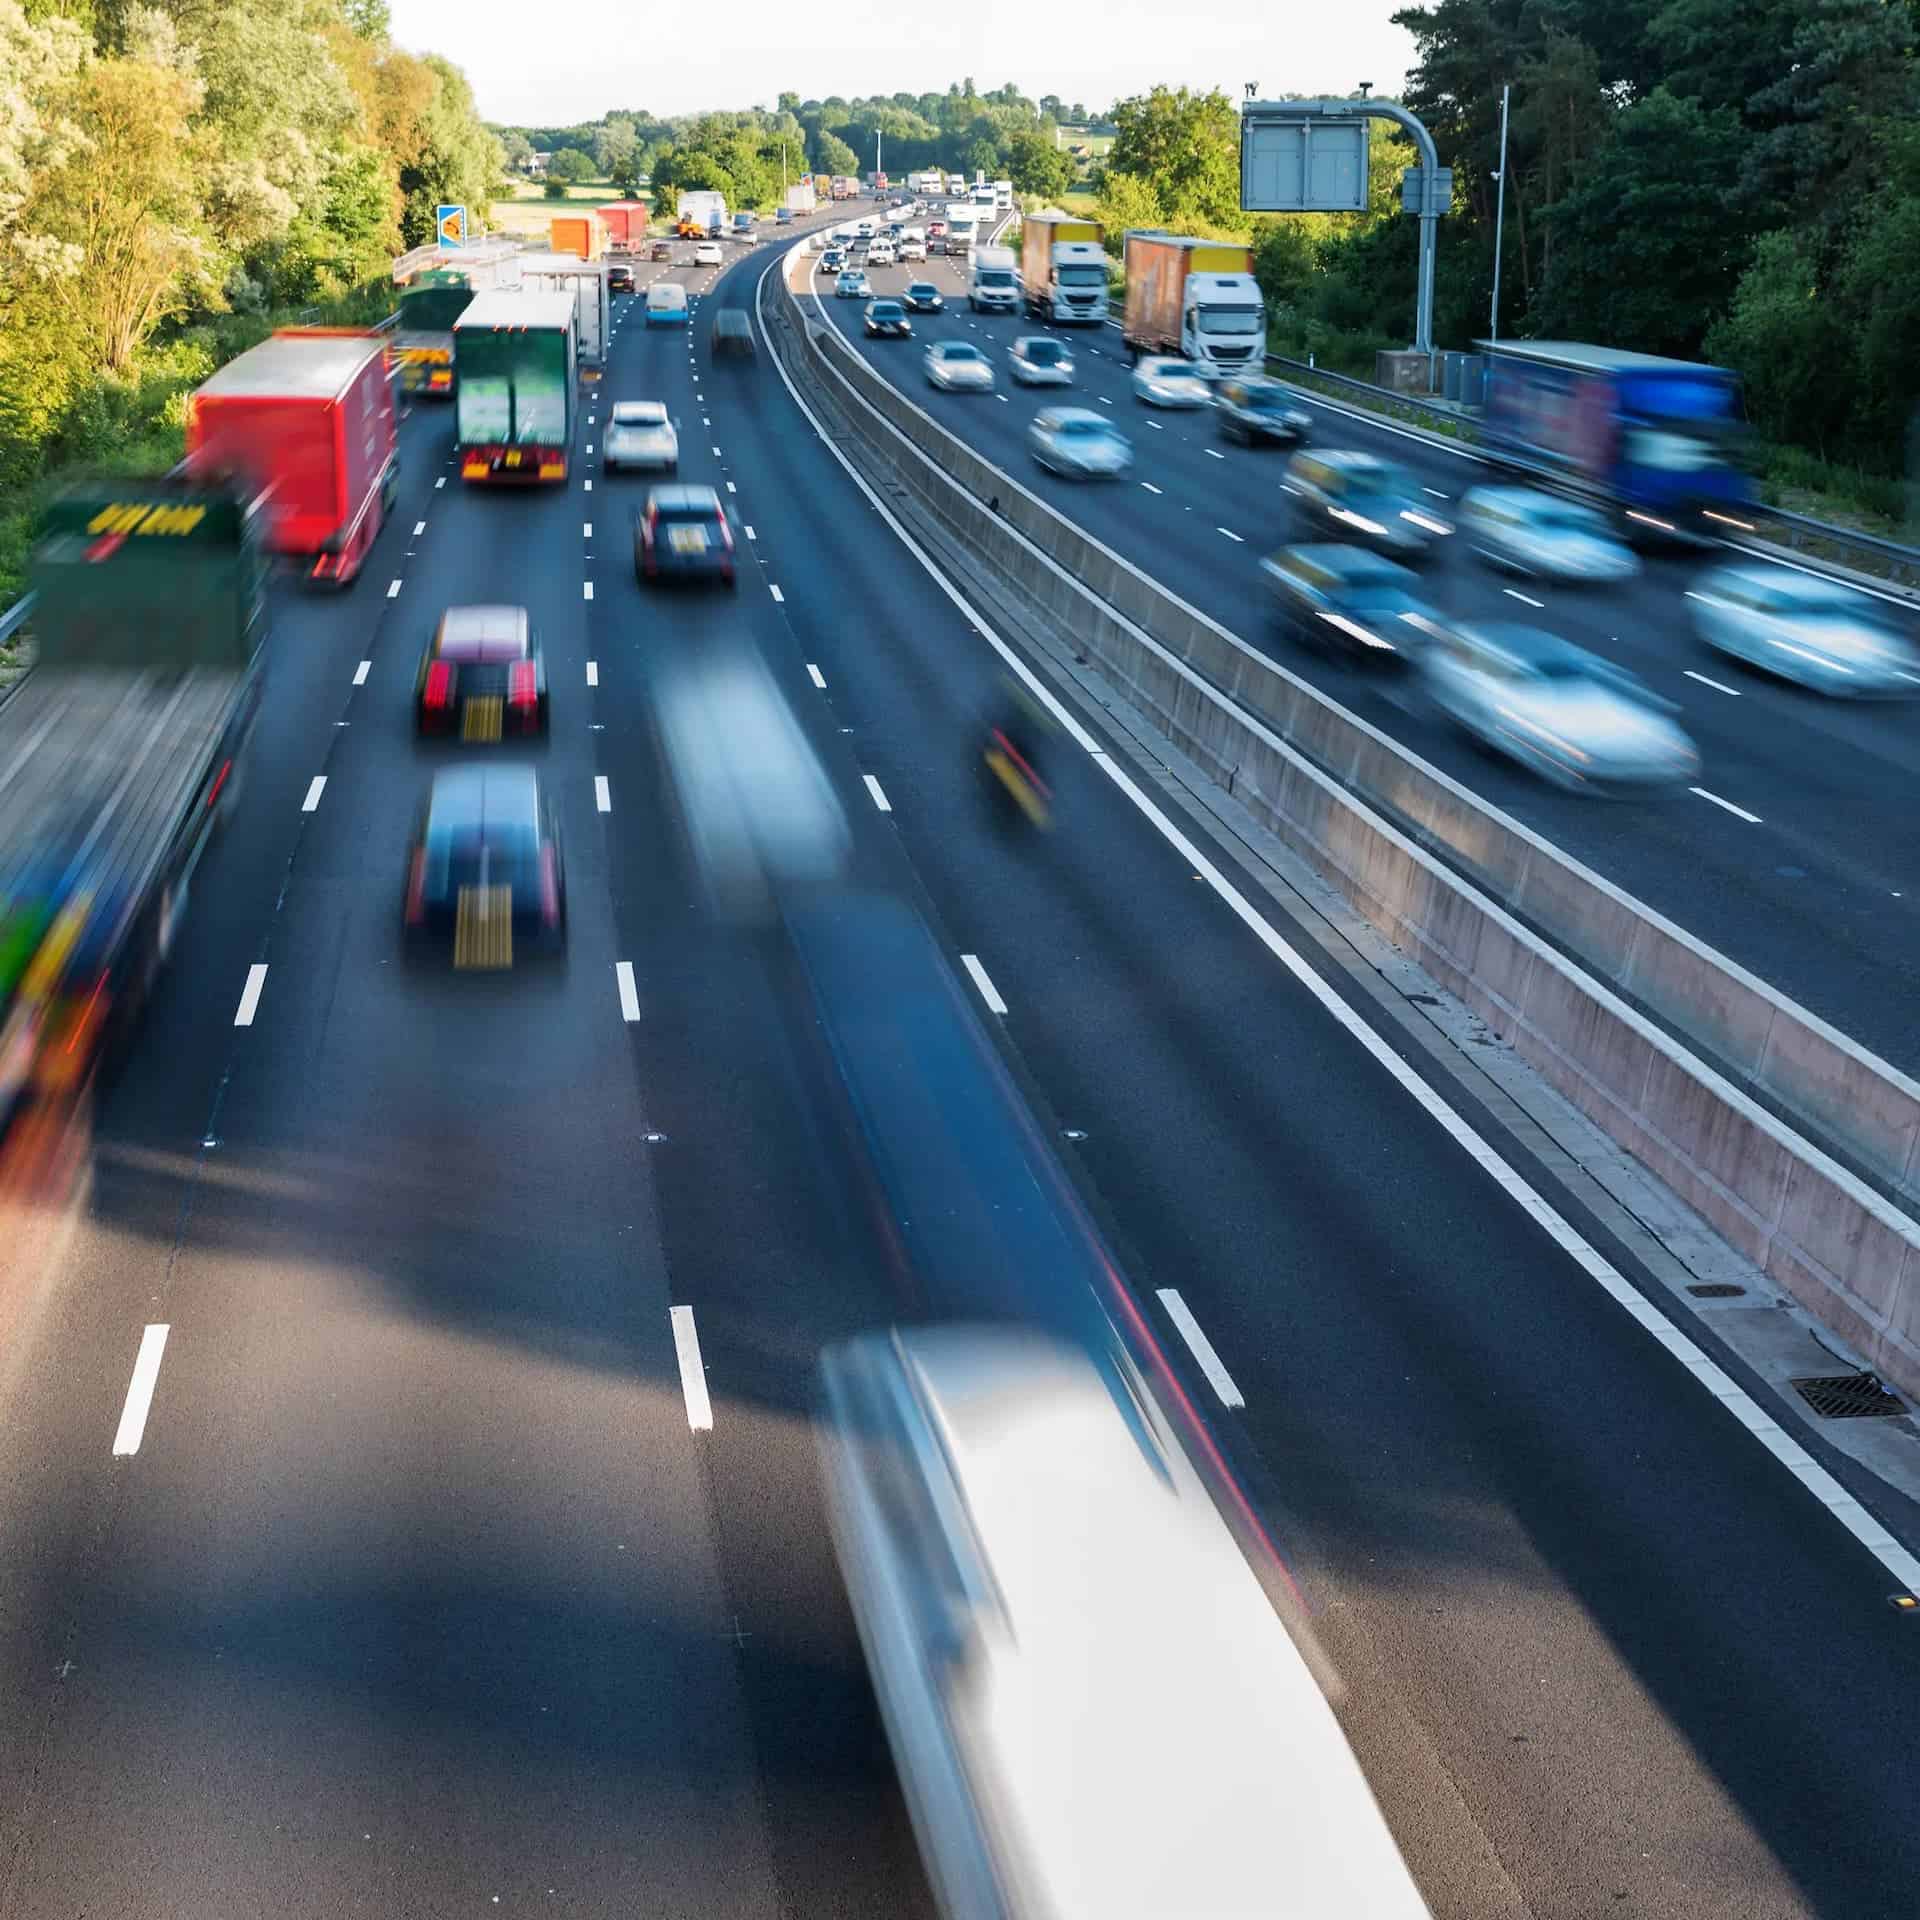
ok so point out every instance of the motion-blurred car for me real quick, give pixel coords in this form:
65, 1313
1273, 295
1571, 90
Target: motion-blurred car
484, 868
732, 334
1570, 716
853, 285
1528, 531
1346, 495
912, 247
640, 434
682, 533
1077, 443
659, 251
864, 230
834, 260
619, 277
956, 366
1252, 410
708, 254
482, 675
1349, 599
1822, 633
881, 254
922, 296
1164, 381
887, 320
783, 216
1036, 361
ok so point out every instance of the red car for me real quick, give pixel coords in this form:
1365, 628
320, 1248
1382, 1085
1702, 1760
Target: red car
482, 675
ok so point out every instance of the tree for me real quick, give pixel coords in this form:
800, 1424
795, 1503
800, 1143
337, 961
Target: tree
570, 164
831, 154
983, 156
1036, 165
1785, 333
1186, 146
614, 148
1126, 201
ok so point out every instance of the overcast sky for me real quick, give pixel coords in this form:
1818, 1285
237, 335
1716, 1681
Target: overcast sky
572, 60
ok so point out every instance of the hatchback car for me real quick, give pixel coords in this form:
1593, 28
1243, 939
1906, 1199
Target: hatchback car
1346, 599
732, 334
1568, 715
1256, 410
834, 260
887, 320
708, 254
1078, 443
682, 533
482, 675
659, 251
955, 365
1347, 495
619, 277
1162, 381
1821, 633
1038, 361
484, 869
922, 296
1528, 531
640, 434
852, 285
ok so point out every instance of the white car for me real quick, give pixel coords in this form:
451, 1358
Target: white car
708, 254
1822, 633
1539, 533
864, 230
1167, 382
640, 434
912, 249
955, 365
1038, 360
852, 285
881, 254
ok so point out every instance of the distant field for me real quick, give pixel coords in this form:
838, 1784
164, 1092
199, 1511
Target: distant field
1097, 144
529, 209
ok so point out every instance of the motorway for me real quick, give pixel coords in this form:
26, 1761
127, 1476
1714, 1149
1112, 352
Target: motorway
1795, 858
443, 1576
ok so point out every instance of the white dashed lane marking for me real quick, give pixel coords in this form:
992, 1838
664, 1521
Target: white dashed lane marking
629, 992
1731, 692
1739, 813
315, 788
988, 992
880, 799
593, 673
361, 671
1218, 1378
250, 994
814, 674
139, 1401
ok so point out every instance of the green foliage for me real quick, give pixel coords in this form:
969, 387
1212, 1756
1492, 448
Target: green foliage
569, 164
1036, 165
554, 189
1186, 146
831, 154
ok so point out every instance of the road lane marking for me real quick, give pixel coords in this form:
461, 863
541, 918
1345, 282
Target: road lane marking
1104, 401
1156, 426
1437, 494
1213, 453
693, 1374
588, 484
777, 594
586, 589
393, 592
751, 535
593, 673
1752, 819
419, 527
250, 994
629, 993
1002, 398
716, 453
1238, 539
146, 1373
315, 789
586, 529
361, 671
814, 674
731, 488
1514, 593
1218, 1378
988, 992
441, 482
1150, 487
602, 798
880, 800
1733, 692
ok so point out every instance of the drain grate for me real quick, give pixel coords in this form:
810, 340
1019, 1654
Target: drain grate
1716, 1290
1848, 1396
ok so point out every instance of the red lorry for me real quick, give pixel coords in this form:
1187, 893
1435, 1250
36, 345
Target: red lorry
626, 224
308, 417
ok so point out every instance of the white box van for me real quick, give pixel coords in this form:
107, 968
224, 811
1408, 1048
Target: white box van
666, 304
993, 284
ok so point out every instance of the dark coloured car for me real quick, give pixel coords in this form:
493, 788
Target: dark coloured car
660, 251
482, 676
1348, 599
1344, 494
1258, 409
923, 297
887, 320
732, 334
619, 277
682, 533
484, 870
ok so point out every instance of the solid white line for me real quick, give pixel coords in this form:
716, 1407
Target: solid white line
315, 789
1150, 487
602, 799
361, 671
777, 594
980, 980
880, 800
1752, 819
1894, 1558
146, 1373
393, 592
1514, 593
250, 994
586, 589
1238, 539
419, 527
693, 1374
593, 673
1732, 692
586, 529
1218, 1378
629, 993
813, 674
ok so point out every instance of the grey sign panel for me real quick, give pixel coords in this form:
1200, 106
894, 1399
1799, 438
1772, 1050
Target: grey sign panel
1427, 190
1302, 163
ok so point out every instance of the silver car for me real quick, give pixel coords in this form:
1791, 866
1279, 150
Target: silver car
640, 434
1539, 533
853, 285
1078, 443
1169, 382
953, 364
1570, 716
1828, 636
1037, 361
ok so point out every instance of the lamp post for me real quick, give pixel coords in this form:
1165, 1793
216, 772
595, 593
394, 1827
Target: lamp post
1499, 215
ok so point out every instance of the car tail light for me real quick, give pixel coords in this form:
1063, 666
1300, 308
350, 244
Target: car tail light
648, 523
726, 532
523, 685
549, 887
439, 687
417, 888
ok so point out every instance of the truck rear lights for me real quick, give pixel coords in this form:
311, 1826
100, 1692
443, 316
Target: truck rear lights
438, 692
523, 688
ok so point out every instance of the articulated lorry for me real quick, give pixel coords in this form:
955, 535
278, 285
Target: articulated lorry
1196, 298
1653, 440
626, 223
123, 750
1063, 268
308, 416
586, 282
701, 214
514, 357
420, 348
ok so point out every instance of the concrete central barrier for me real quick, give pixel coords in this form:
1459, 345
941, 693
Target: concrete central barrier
1432, 868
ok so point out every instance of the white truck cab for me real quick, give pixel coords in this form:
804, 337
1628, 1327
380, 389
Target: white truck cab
993, 284
1223, 324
